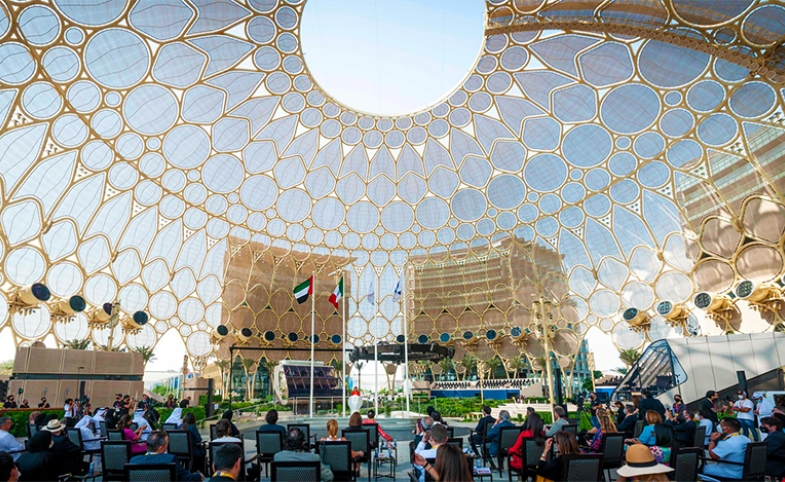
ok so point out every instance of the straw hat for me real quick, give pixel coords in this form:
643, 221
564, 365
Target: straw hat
54, 426
640, 461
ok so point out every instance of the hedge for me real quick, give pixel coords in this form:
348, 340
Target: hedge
21, 418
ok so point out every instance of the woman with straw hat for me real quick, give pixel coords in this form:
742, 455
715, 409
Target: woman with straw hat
642, 466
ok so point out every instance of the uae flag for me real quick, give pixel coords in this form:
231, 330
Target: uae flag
337, 294
303, 290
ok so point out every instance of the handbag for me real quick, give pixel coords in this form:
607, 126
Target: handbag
540, 478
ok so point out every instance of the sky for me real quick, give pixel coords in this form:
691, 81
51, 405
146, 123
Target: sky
395, 57
388, 58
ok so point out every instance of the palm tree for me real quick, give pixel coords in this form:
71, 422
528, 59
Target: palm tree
269, 366
469, 362
492, 365
359, 366
6, 367
77, 344
518, 364
146, 352
223, 365
540, 361
629, 356
249, 367
446, 365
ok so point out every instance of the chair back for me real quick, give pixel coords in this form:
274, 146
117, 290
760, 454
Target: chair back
360, 439
180, 443
268, 444
134, 426
168, 427
700, 436
639, 427
104, 427
686, 462
450, 432
533, 452
150, 473
456, 441
114, 456
304, 428
582, 467
612, 448
114, 435
294, 471
507, 438
487, 428
338, 455
755, 461
213, 434
571, 428
373, 428
31, 430
75, 436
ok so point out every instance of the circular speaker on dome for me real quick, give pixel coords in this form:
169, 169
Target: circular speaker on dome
664, 307
400, 338
77, 304
491, 334
269, 336
107, 307
141, 318
745, 289
422, 339
292, 337
314, 338
222, 330
702, 300
444, 337
516, 331
630, 314
336, 339
468, 335
40, 292
246, 332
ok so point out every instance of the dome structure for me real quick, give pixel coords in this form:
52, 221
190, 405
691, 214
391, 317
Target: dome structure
177, 156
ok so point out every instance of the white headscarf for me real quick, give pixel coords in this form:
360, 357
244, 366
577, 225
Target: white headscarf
86, 425
142, 422
97, 419
176, 417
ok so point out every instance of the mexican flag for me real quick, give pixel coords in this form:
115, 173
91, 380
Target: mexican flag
303, 290
337, 294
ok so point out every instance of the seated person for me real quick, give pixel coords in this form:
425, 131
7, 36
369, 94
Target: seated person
450, 464
775, 447
67, 454
433, 439
8, 469
294, 450
227, 415
657, 436
437, 418
8, 442
606, 425
564, 443
493, 433
355, 420
423, 425
124, 426
683, 426
642, 466
222, 430
627, 425
704, 420
332, 436
157, 446
478, 437
559, 423
535, 431
371, 420
38, 463
727, 446
227, 463
272, 423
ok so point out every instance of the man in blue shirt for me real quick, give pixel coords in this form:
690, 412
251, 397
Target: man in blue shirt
728, 446
157, 445
493, 434
272, 423
7, 441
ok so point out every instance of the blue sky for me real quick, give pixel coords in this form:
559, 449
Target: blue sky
391, 57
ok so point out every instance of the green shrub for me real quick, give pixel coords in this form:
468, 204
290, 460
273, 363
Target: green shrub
203, 399
21, 417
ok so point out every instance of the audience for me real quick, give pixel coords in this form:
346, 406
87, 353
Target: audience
436, 437
40, 421
627, 426
763, 409
450, 465
559, 423
38, 462
642, 466
650, 403
658, 436
775, 447
371, 420
8, 470
124, 426
606, 425
565, 444
332, 436
683, 427
227, 463
710, 408
272, 423
437, 418
534, 431
355, 420
620, 413
295, 447
141, 422
198, 452
423, 425
745, 414
227, 415
90, 440
8, 443
33, 415
704, 420
222, 429
176, 417
67, 454
727, 446
779, 412
493, 433
157, 446
478, 437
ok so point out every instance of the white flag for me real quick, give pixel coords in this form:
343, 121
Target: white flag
398, 289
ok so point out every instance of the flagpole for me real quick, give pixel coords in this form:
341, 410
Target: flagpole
343, 348
313, 334
377, 300
406, 381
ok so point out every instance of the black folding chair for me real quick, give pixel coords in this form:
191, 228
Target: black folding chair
507, 438
582, 467
295, 471
754, 462
75, 436
639, 428
361, 441
267, 445
150, 473
213, 446
484, 447
700, 437
612, 452
114, 435
180, 446
114, 456
374, 430
532, 451
31, 430
571, 428
169, 426
134, 426
450, 431
213, 434
686, 462
338, 455
456, 441
104, 428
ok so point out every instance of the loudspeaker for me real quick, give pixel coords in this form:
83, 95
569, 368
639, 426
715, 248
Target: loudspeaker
742, 376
